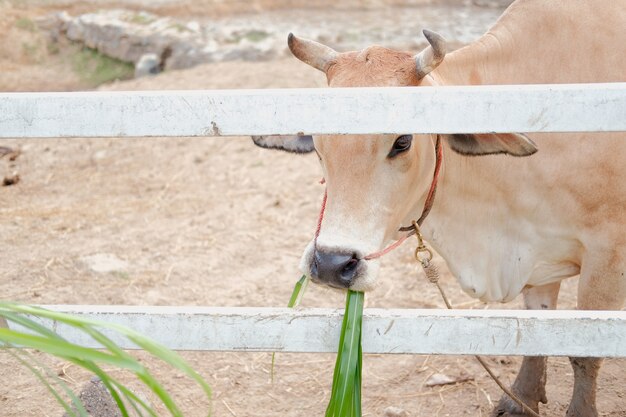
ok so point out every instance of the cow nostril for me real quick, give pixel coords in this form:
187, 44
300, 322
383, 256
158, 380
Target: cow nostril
349, 269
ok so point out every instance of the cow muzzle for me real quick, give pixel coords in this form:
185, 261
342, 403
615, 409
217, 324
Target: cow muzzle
336, 268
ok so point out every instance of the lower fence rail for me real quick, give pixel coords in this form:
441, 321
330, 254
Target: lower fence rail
402, 331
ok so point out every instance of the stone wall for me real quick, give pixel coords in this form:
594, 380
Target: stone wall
164, 43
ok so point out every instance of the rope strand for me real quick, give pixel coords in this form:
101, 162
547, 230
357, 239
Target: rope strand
433, 276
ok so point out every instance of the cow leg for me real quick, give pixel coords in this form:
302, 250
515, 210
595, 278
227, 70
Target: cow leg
530, 384
583, 402
602, 286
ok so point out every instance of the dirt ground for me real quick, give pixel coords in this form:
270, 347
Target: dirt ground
220, 222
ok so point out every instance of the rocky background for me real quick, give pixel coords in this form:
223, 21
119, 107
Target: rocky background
96, 42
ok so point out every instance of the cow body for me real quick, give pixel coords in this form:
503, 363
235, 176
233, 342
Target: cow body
504, 225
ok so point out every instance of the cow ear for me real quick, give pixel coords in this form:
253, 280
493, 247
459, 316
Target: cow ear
295, 144
515, 144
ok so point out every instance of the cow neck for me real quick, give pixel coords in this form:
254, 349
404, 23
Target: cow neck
428, 205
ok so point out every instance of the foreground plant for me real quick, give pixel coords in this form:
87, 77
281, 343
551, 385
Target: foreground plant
26, 332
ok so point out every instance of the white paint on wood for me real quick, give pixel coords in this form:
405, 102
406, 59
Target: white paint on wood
459, 332
399, 110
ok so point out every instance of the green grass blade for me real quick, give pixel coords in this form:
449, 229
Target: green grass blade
6, 311
115, 387
142, 373
160, 392
332, 408
333, 403
28, 323
65, 349
134, 400
298, 292
357, 411
350, 348
151, 347
108, 382
346, 396
75, 400
169, 357
48, 341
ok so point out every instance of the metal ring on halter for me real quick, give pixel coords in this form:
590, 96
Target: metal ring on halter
424, 260
421, 248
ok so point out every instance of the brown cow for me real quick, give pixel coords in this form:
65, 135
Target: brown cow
504, 225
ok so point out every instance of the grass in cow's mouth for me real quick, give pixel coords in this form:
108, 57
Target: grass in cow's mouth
298, 291
345, 399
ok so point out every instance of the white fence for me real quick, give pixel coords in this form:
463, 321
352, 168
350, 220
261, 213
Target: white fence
459, 332
529, 108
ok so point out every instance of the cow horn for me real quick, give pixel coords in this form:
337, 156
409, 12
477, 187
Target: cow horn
313, 53
431, 57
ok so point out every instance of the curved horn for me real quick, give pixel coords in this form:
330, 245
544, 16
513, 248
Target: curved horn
431, 57
310, 52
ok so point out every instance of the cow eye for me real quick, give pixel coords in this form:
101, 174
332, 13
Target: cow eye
402, 144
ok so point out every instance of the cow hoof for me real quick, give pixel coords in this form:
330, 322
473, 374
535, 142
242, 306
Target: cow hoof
581, 411
509, 408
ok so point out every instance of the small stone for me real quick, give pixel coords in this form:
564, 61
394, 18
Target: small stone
97, 400
439, 379
442, 379
104, 263
148, 64
4, 150
12, 179
55, 23
395, 412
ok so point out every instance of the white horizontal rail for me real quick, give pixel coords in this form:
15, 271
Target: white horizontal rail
459, 332
399, 110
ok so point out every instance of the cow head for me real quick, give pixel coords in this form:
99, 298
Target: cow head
375, 183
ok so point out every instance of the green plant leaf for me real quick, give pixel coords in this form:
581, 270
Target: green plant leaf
298, 292
42, 338
150, 346
27, 363
64, 349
